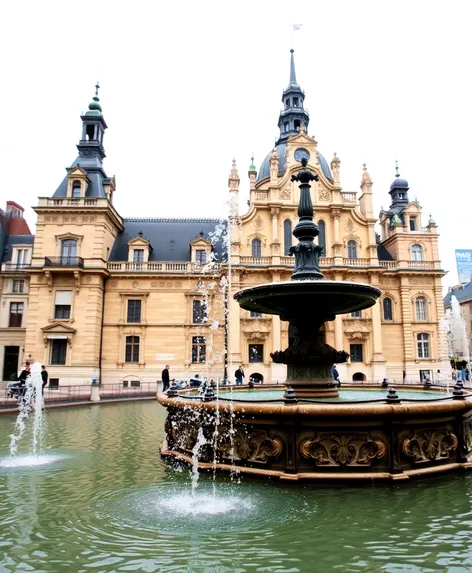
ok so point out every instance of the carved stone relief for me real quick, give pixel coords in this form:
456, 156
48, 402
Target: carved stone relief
324, 195
252, 446
429, 445
351, 233
343, 449
285, 193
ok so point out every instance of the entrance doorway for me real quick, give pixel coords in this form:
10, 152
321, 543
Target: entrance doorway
10, 363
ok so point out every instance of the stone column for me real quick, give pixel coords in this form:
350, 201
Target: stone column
409, 355
337, 244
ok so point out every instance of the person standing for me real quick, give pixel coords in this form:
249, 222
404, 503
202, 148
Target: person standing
336, 375
165, 378
44, 376
239, 375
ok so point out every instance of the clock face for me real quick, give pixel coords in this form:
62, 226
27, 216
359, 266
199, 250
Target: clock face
301, 153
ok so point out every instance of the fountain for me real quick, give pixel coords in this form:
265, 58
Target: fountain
313, 431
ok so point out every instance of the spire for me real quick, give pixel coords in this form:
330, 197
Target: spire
294, 114
399, 190
91, 151
293, 77
397, 174
252, 167
94, 107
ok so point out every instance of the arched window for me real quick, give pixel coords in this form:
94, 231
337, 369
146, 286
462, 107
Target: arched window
387, 308
68, 251
75, 188
322, 237
423, 345
420, 308
352, 250
287, 236
416, 253
256, 248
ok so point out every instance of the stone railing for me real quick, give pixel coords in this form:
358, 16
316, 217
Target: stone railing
356, 262
426, 265
14, 267
64, 262
162, 267
256, 261
72, 202
389, 264
349, 196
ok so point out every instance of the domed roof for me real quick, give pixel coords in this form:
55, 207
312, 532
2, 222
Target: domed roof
399, 183
264, 171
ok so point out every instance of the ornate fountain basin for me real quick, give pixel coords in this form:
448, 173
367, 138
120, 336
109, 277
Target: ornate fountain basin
319, 299
323, 441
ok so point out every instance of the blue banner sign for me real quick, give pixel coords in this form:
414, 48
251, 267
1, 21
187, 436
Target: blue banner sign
464, 265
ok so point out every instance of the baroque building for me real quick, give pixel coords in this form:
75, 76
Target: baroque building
124, 297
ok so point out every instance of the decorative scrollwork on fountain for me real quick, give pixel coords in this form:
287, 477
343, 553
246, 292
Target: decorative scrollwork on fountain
254, 446
343, 449
467, 433
430, 445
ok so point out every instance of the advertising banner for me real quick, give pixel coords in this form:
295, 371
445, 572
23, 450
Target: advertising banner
464, 265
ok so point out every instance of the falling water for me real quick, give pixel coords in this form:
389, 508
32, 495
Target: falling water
30, 406
201, 441
459, 322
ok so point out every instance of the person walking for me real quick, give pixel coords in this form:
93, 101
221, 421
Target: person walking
44, 376
165, 378
239, 375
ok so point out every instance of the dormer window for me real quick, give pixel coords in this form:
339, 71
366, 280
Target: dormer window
138, 256
412, 223
295, 102
76, 187
200, 256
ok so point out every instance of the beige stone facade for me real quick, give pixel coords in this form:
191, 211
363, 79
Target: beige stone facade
102, 295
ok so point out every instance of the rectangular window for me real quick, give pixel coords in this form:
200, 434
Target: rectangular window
425, 376
356, 314
356, 352
200, 256
198, 349
256, 353
16, 314
412, 223
62, 304
58, 352
18, 286
199, 312
134, 311
53, 383
21, 257
132, 349
138, 256
256, 314
69, 250
423, 345
295, 102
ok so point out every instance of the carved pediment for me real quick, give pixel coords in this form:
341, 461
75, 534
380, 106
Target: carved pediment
200, 242
357, 328
58, 328
137, 242
77, 172
256, 328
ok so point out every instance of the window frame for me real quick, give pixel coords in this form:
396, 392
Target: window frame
200, 256
16, 313
423, 346
199, 311
417, 253
129, 312
254, 354
138, 256
198, 350
358, 347
132, 349
421, 309
384, 317
351, 249
21, 283
256, 247
62, 353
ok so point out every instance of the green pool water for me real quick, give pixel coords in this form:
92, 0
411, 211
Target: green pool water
109, 504
344, 395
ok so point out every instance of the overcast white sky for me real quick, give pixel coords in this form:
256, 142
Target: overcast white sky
187, 86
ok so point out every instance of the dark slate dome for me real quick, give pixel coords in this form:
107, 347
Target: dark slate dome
264, 171
399, 183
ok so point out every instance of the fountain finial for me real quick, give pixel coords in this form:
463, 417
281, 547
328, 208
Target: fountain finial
306, 252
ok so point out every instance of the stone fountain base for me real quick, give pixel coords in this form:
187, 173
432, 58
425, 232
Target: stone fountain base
312, 381
322, 442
